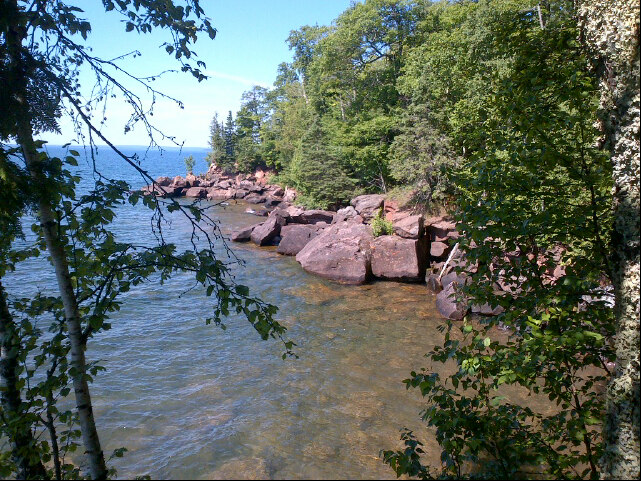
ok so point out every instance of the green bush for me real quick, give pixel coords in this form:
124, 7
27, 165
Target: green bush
381, 226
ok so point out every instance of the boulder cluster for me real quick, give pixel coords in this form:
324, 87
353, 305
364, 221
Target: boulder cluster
341, 245
215, 185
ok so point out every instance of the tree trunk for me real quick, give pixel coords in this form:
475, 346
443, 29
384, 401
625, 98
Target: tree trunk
19, 431
48, 222
611, 31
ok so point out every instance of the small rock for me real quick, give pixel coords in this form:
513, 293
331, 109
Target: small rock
438, 249
433, 283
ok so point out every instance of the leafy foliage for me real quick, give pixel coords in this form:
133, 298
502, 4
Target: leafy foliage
381, 226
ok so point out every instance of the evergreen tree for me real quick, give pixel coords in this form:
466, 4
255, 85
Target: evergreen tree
216, 141
316, 171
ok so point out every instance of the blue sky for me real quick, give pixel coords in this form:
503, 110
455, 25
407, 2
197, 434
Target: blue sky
249, 45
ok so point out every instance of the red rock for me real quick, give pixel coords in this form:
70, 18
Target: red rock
197, 192
410, 227
368, 205
255, 198
263, 234
242, 235
341, 252
438, 249
451, 303
218, 194
398, 259
439, 227
164, 181
294, 237
179, 182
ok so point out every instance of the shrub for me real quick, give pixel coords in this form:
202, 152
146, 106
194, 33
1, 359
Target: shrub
381, 226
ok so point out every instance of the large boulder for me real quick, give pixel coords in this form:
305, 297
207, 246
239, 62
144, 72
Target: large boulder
179, 182
243, 235
341, 253
368, 205
215, 193
294, 237
164, 181
398, 259
315, 216
265, 233
345, 214
410, 227
451, 303
197, 192
254, 198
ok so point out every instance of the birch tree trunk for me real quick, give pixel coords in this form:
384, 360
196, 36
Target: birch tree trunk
611, 31
22, 439
56, 250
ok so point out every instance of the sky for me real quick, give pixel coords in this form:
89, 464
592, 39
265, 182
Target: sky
249, 44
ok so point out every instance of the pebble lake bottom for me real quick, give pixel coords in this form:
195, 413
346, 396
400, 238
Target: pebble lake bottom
190, 400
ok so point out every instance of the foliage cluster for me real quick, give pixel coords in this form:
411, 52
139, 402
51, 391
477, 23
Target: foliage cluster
381, 226
189, 164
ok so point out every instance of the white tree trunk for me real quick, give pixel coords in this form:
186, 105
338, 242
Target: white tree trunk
49, 224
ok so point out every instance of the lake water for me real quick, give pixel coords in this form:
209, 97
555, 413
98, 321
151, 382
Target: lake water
193, 401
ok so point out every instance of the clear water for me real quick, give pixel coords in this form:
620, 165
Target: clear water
193, 401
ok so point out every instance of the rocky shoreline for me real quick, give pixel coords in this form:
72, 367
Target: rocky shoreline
340, 245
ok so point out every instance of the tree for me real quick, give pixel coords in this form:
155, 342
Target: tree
316, 171
40, 58
189, 164
611, 33
512, 91
228, 162
216, 141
